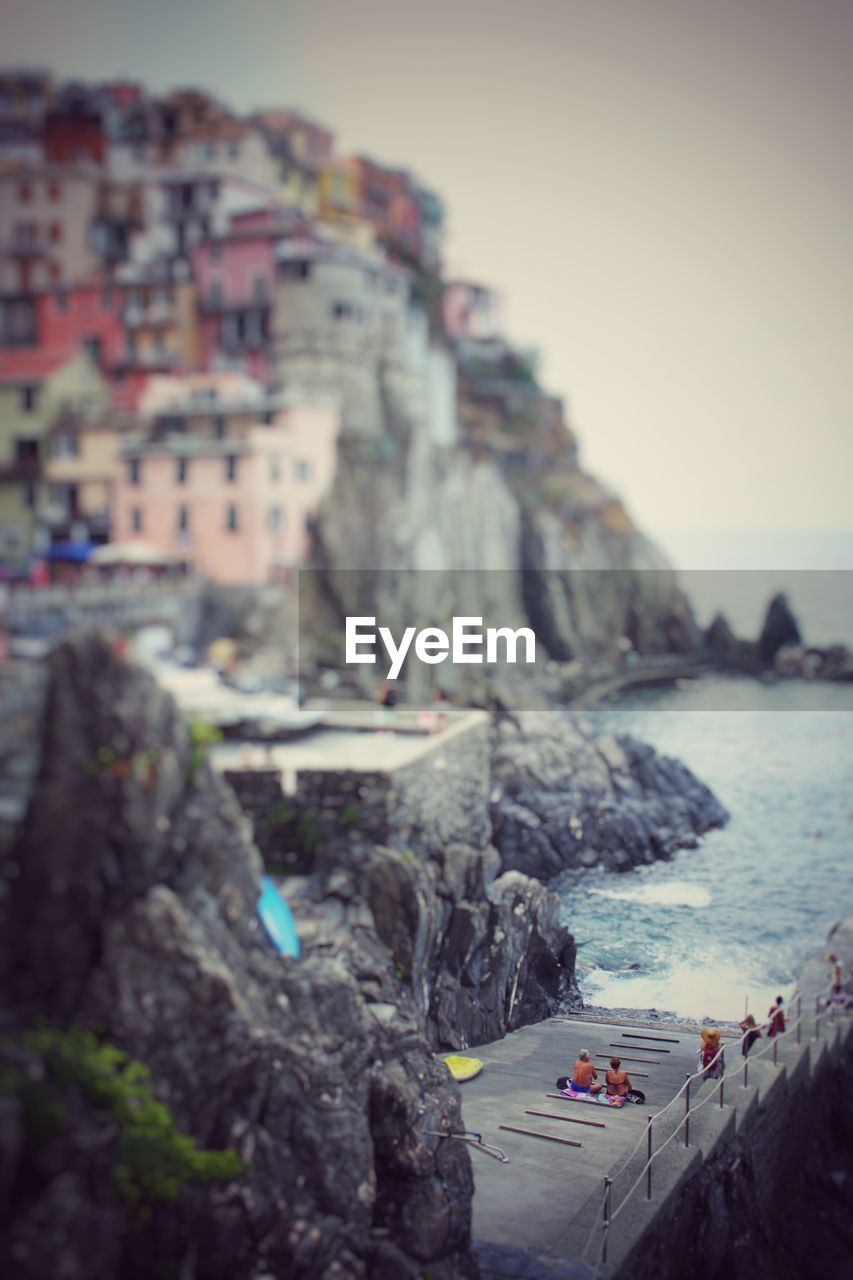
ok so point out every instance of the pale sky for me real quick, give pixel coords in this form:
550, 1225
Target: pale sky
661, 188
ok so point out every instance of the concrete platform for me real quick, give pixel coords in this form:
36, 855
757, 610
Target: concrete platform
544, 1199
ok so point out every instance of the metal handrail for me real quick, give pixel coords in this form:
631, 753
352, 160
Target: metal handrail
604, 1220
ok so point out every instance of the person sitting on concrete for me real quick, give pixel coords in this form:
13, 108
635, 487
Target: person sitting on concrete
752, 1034
616, 1080
584, 1074
712, 1055
776, 1017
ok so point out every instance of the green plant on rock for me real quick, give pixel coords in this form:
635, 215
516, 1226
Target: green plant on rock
203, 735
350, 814
154, 1160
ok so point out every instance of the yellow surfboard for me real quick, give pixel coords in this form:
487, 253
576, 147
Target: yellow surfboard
463, 1068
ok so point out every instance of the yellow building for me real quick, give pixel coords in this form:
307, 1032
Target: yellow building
41, 388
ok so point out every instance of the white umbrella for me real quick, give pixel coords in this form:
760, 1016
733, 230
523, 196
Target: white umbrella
132, 553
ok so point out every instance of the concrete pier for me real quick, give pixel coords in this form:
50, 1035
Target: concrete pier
542, 1214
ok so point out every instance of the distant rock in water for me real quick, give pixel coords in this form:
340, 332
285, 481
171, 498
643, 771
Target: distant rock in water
564, 798
780, 629
129, 908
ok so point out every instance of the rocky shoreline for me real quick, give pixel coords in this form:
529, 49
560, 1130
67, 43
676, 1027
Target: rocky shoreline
128, 910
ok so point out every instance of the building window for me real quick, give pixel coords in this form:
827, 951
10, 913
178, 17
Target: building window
25, 192
231, 469
64, 445
342, 310
29, 493
275, 518
275, 467
134, 471
234, 150
61, 294
182, 470
219, 428
94, 347
183, 518
303, 471
29, 399
26, 451
54, 191
216, 292
55, 232
136, 519
295, 269
231, 520
215, 251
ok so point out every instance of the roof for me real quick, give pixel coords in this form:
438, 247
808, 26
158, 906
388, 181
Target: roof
33, 364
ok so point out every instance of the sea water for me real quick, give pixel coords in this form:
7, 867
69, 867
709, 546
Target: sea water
729, 923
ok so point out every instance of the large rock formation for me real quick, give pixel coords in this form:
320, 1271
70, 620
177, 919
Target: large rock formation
503, 523
563, 798
129, 909
480, 953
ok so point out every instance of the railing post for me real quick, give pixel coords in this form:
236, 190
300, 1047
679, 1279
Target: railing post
608, 1183
649, 1159
799, 1020
745, 1072
775, 1051
687, 1112
721, 1090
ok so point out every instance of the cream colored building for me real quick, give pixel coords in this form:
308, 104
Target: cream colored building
225, 474
41, 391
46, 216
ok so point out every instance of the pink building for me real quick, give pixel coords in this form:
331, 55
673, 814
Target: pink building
235, 277
231, 483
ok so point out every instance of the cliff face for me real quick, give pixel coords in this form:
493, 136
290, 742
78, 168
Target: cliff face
508, 496
129, 909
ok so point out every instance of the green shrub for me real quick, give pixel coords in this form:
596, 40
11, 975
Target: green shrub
203, 735
154, 1159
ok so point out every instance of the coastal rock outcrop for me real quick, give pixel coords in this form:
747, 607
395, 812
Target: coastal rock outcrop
481, 953
129, 911
564, 798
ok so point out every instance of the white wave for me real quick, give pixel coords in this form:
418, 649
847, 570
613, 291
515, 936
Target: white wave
668, 893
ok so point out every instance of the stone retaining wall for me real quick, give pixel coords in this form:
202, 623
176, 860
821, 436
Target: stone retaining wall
441, 798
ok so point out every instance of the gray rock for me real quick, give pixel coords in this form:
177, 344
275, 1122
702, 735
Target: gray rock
146, 930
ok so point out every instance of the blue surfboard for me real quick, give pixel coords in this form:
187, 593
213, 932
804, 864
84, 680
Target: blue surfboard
277, 919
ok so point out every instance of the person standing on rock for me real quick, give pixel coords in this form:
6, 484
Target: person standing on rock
776, 1018
583, 1075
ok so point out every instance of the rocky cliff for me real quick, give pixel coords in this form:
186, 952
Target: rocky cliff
292, 1118
503, 523
287, 1127
565, 799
